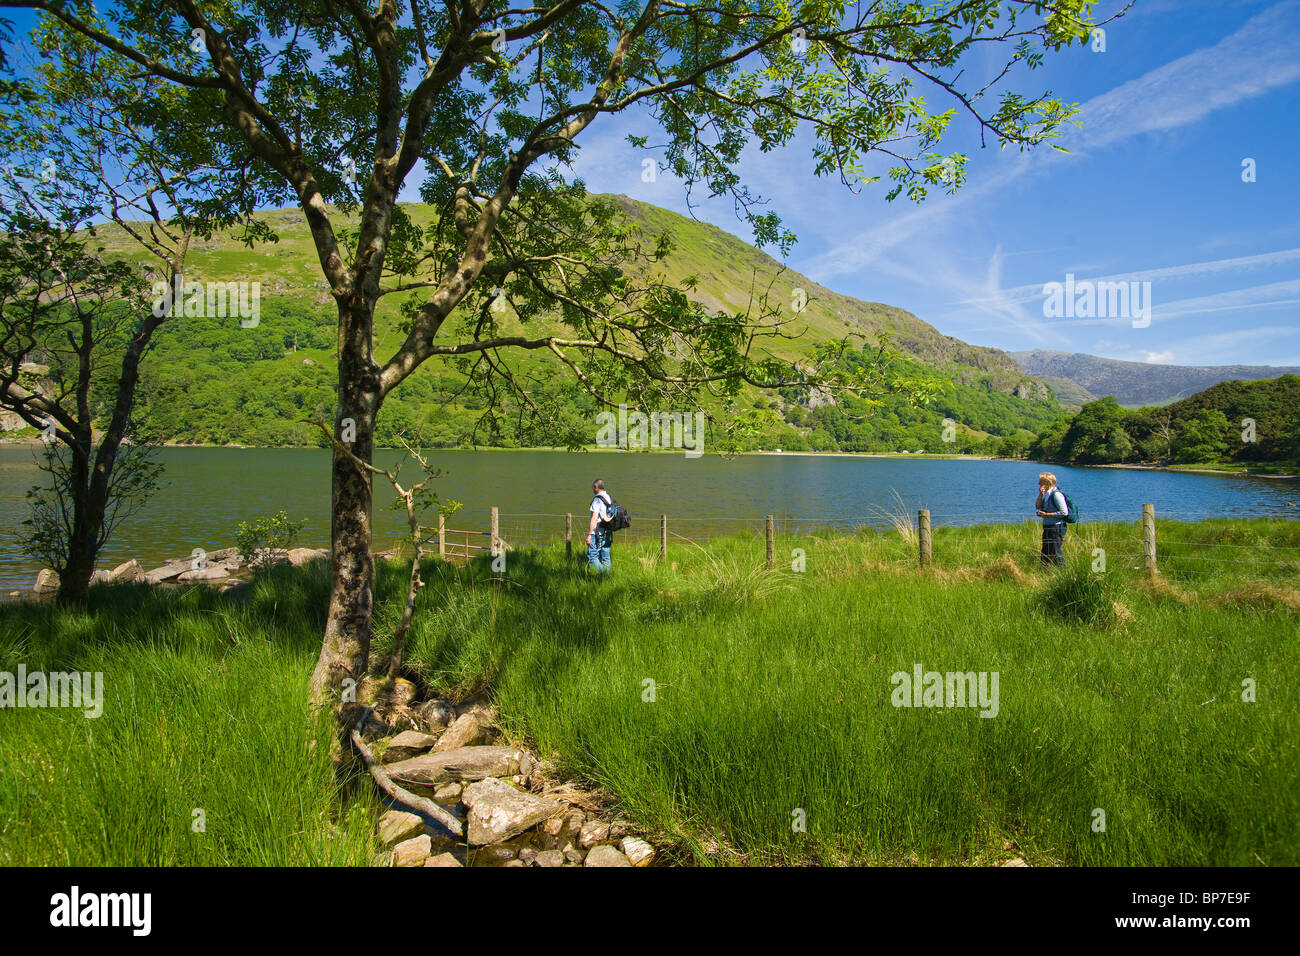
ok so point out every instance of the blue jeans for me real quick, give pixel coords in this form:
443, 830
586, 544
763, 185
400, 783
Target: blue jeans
598, 550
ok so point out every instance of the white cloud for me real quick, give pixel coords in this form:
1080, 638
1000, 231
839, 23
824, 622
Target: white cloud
1156, 358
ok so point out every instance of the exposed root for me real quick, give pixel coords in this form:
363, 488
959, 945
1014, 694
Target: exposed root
410, 800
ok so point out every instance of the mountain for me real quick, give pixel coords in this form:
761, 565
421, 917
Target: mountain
1077, 378
209, 380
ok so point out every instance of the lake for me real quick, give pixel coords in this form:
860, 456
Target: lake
208, 491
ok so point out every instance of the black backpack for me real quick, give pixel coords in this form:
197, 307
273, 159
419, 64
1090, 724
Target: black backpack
618, 516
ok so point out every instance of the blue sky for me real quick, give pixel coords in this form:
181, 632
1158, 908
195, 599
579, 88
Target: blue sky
1151, 191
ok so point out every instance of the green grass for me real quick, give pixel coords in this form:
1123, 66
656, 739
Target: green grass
772, 698
205, 709
772, 695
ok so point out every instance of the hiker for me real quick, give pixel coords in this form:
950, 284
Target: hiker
599, 537
1053, 510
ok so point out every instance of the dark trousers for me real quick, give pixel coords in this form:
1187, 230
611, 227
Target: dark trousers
1053, 539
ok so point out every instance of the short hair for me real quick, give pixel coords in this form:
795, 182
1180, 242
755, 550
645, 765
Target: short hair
599, 484
1047, 478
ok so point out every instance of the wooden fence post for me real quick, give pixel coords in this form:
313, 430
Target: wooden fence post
663, 537
923, 536
442, 537
771, 541
1149, 538
493, 550
568, 534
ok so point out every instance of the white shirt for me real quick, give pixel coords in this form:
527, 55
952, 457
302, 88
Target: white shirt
600, 505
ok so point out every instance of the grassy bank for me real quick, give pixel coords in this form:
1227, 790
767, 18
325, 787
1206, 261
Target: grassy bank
200, 756
721, 703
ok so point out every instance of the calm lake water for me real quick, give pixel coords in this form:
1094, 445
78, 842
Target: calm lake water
208, 491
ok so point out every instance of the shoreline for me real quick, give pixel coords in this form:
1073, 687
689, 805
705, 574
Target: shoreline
901, 456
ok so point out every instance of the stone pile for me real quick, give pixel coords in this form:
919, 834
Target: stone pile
513, 813
220, 569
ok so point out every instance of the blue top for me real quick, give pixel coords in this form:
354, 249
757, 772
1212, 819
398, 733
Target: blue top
1058, 510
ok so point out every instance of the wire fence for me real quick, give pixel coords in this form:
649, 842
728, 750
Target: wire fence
1127, 538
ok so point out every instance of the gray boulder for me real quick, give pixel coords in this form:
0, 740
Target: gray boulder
606, 855
443, 859
127, 572
412, 852
466, 731
497, 811
637, 851
47, 582
206, 575
397, 826
467, 763
434, 714
407, 744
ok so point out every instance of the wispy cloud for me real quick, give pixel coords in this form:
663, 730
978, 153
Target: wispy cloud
1257, 58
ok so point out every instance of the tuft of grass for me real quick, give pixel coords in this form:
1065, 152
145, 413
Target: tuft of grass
1076, 593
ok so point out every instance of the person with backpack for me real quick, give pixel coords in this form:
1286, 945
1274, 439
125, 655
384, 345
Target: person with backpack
599, 536
1053, 507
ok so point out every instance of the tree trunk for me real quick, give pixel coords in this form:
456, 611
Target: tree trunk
345, 650
83, 537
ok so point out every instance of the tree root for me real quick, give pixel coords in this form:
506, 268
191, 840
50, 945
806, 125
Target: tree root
415, 803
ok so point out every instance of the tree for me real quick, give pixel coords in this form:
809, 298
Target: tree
1203, 438
86, 141
63, 306
341, 103
1096, 435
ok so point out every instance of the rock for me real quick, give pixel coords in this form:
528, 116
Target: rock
549, 858
467, 763
207, 574
527, 765
448, 792
593, 832
100, 576
434, 714
443, 859
172, 569
47, 582
637, 851
497, 811
412, 852
560, 831
396, 826
514, 863
466, 731
300, 556
125, 573
1016, 862
606, 855
528, 854
407, 744
499, 854
573, 854
618, 829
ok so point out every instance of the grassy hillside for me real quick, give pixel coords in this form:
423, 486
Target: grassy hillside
210, 381
1131, 384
